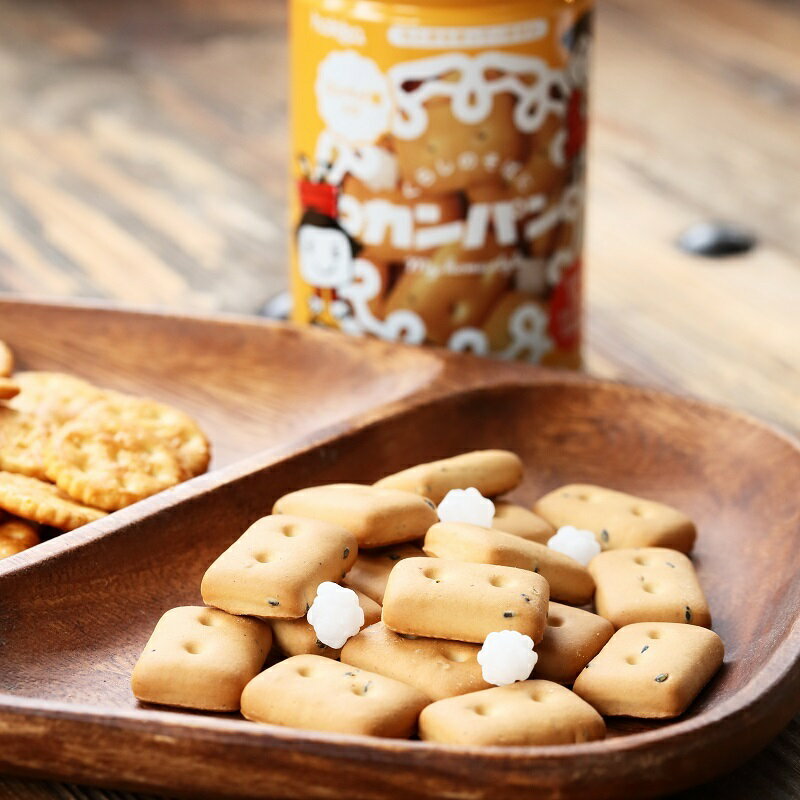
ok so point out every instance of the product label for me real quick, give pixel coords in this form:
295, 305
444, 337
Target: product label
439, 181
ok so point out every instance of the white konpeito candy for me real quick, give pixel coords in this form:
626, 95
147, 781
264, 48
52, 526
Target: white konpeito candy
575, 543
466, 505
507, 657
335, 614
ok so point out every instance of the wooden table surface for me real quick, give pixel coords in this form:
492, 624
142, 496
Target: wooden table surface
142, 158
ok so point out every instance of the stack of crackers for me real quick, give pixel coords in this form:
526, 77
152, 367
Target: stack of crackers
70, 452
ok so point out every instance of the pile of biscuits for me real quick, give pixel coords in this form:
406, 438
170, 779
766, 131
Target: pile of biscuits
629, 633
70, 452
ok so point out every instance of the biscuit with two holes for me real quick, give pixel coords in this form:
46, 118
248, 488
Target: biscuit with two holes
532, 712
274, 568
651, 670
648, 584
436, 667
465, 602
511, 518
319, 694
200, 658
616, 518
491, 472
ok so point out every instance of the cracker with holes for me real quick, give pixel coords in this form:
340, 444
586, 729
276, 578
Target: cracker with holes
17, 535
200, 658
569, 581
572, 638
6, 360
511, 518
122, 449
376, 516
319, 694
296, 637
616, 518
651, 670
464, 601
491, 472
648, 584
276, 565
370, 573
436, 667
44, 503
532, 712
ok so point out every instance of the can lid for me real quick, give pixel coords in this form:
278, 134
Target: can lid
381, 9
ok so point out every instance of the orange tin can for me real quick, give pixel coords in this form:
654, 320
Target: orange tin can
438, 172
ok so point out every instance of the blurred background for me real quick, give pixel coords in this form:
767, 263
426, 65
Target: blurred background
144, 151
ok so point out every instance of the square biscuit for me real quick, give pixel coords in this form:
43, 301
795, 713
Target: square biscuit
515, 519
200, 658
319, 694
569, 580
572, 638
370, 572
436, 667
531, 712
616, 518
377, 517
651, 670
274, 568
491, 472
648, 584
443, 599
295, 637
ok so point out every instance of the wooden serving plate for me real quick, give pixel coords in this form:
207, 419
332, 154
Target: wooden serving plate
75, 613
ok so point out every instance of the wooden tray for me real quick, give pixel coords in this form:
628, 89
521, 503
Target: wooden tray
75, 612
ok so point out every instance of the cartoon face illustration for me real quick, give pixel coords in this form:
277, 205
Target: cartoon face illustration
326, 253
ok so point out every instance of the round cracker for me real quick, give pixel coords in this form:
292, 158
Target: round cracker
23, 439
8, 388
6, 360
44, 503
17, 535
122, 449
54, 396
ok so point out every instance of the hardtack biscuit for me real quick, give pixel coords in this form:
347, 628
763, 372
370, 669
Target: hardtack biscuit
455, 155
651, 670
436, 667
319, 694
457, 600
200, 658
376, 516
122, 449
371, 571
491, 472
617, 519
454, 290
274, 568
572, 638
569, 581
23, 441
16, 535
6, 360
44, 503
296, 637
8, 388
648, 584
511, 518
532, 712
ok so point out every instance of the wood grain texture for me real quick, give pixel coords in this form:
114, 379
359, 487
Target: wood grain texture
65, 701
142, 157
